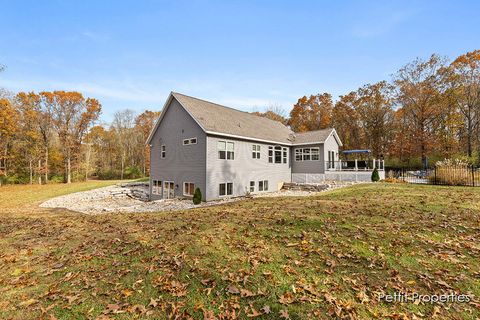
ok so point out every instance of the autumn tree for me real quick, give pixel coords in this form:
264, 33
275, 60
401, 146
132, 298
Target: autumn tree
273, 112
374, 107
312, 113
418, 86
72, 115
466, 87
345, 120
8, 129
144, 123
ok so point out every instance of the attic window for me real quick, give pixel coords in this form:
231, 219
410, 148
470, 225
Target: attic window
186, 142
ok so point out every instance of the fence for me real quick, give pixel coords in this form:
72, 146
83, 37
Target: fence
452, 175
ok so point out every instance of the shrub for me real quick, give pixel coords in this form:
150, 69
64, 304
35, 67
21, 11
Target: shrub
133, 172
375, 175
197, 196
455, 172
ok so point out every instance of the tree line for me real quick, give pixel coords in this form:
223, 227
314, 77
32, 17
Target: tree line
429, 109
54, 136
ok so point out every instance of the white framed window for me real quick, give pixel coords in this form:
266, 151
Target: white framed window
263, 185
225, 189
307, 154
226, 150
164, 151
256, 151
157, 187
188, 189
252, 186
189, 141
277, 154
298, 155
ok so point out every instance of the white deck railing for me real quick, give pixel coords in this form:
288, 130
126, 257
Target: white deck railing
355, 165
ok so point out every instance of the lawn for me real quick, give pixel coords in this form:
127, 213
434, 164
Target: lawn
327, 256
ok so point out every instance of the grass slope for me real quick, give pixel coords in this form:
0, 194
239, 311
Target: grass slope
328, 256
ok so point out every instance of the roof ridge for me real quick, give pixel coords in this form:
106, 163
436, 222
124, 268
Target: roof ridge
220, 105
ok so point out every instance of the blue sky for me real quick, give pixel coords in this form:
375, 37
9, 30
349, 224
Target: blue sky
245, 54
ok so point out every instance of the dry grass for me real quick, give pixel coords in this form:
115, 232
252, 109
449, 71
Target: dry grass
319, 257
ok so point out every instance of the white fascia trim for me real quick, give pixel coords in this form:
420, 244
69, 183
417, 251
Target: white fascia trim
246, 138
308, 143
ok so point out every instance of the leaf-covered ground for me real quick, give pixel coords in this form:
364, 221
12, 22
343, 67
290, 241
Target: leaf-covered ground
328, 256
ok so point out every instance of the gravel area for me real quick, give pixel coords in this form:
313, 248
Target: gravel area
115, 199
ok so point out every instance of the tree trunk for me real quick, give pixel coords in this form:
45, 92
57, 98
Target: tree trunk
39, 171
69, 171
123, 164
31, 172
46, 165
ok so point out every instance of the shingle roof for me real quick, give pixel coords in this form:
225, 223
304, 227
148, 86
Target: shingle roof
312, 136
220, 119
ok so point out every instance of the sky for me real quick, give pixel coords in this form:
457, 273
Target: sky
245, 54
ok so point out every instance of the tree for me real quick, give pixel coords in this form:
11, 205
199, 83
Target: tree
374, 107
274, 112
345, 120
123, 125
419, 85
8, 129
144, 123
29, 141
72, 115
197, 196
466, 94
311, 113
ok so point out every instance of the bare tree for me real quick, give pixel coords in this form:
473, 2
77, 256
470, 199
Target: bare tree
123, 124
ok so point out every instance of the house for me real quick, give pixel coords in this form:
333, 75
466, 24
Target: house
227, 152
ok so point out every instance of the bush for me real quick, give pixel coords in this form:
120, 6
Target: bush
133, 172
375, 175
197, 196
454, 172
56, 179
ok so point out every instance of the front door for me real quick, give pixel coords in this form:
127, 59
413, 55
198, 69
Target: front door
168, 190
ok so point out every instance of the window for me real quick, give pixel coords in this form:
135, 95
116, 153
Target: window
189, 141
298, 154
164, 152
225, 189
277, 154
222, 146
226, 150
256, 151
252, 186
157, 187
307, 154
188, 188
263, 185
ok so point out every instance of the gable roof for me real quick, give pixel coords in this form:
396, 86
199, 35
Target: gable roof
220, 120
316, 136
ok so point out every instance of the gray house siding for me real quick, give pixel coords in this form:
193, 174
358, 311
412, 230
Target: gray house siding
182, 163
243, 168
312, 166
331, 144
